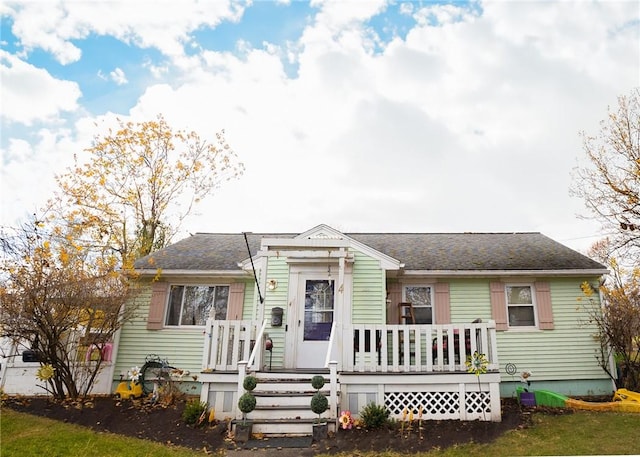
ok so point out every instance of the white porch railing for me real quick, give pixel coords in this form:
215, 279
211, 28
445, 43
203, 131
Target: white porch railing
416, 348
363, 347
229, 342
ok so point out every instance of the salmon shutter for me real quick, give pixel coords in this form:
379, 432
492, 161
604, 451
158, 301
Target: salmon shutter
498, 305
543, 301
159, 291
442, 304
394, 296
236, 301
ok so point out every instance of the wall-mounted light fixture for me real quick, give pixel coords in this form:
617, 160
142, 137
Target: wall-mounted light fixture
272, 284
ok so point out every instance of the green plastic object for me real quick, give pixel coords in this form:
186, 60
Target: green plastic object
550, 399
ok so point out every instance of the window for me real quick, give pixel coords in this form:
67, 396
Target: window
318, 309
520, 306
420, 299
193, 305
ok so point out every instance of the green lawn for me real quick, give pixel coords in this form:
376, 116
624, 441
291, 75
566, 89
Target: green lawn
23, 435
581, 433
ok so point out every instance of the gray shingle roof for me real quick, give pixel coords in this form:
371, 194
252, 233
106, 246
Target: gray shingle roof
417, 251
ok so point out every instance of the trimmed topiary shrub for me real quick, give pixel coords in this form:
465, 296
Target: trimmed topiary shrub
250, 383
317, 382
319, 404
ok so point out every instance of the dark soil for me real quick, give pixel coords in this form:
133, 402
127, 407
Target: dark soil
165, 425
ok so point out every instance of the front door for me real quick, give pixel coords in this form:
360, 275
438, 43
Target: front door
315, 313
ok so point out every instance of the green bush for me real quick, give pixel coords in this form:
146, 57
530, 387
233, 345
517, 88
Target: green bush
318, 382
247, 403
193, 410
374, 416
250, 383
319, 404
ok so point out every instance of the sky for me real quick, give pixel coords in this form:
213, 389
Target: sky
367, 116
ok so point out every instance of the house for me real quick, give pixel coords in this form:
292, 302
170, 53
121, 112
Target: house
389, 318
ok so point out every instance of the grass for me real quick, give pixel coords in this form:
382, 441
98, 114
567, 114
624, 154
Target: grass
581, 433
26, 435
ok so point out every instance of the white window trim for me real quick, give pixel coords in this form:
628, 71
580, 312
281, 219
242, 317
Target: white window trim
431, 298
516, 328
168, 300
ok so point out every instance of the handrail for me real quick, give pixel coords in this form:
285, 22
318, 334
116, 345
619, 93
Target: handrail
258, 345
332, 335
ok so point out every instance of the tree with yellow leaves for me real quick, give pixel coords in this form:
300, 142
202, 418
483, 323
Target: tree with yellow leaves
617, 319
63, 302
138, 184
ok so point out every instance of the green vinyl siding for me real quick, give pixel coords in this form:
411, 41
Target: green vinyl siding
182, 347
469, 300
278, 269
368, 302
565, 353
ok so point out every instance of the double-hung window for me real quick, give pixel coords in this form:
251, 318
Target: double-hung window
521, 309
420, 298
193, 305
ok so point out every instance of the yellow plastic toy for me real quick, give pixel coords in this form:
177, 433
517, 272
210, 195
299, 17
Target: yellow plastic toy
624, 401
127, 390
626, 395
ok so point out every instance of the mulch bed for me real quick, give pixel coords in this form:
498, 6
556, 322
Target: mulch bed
164, 424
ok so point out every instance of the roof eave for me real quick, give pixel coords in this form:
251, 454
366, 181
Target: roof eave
193, 273
486, 273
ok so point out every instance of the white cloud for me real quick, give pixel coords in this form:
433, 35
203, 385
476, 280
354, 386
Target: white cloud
468, 125
164, 25
118, 76
31, 94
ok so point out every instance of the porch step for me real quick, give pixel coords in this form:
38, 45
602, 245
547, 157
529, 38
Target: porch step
282, 427
283, 402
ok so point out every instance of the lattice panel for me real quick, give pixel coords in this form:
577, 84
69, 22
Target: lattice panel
436, 404
477, 402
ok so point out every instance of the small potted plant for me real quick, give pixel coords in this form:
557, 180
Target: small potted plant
246, 404
319, 404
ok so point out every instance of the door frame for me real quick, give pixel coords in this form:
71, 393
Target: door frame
298, 274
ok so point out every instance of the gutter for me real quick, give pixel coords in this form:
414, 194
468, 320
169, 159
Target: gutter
493, 273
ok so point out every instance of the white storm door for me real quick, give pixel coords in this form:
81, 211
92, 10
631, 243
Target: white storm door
316, 299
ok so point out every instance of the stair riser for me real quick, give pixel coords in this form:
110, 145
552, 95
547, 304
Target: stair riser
283, 429
283, 414
286, 387
284, 401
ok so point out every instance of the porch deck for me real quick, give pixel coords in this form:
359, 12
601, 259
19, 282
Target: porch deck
403, 367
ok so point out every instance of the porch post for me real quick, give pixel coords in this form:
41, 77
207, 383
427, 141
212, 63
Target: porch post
494, 392
333, 392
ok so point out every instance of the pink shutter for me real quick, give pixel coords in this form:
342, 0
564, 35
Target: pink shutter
159, 291
236, 301
498, 305
543, 301
442, 304
394, 296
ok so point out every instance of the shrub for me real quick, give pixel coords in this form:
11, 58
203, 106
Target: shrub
317, 382
193, 411
250, 383
374, 416
319, 404
247, 403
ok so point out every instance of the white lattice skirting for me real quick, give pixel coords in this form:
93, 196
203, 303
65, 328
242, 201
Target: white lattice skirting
442, 397
439, 405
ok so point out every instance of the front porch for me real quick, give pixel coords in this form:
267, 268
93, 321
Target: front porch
403, 367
